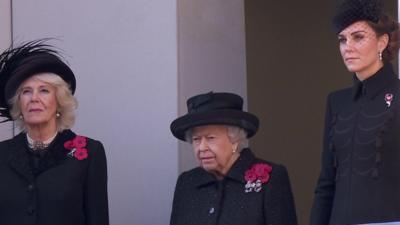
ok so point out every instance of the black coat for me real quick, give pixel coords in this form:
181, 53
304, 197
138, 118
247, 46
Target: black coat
360, 176
200, 199
52, 188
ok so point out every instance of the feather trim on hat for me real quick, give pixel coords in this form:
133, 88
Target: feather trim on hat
14, 58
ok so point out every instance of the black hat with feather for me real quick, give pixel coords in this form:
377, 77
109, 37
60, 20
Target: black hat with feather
31, 58
351, 11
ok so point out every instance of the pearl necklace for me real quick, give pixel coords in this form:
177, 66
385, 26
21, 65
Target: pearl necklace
39, 145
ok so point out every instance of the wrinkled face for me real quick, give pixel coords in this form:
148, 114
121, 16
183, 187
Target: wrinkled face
360, 47
213, 148
38, 103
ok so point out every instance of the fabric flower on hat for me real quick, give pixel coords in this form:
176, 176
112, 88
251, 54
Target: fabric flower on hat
77, 147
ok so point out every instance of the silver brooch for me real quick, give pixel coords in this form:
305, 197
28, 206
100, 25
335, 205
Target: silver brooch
253, 186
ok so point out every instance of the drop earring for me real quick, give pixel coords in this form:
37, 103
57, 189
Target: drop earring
380, 55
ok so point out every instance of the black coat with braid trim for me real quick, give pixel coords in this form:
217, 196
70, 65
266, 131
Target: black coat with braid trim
359, 181
61, 190
200, 199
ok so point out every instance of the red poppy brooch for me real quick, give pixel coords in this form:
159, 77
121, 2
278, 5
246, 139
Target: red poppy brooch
257, 175
77, 147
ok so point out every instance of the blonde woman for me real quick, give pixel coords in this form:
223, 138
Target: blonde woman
49, 175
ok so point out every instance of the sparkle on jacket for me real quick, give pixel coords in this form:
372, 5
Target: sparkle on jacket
52, 188
200, 199
360, 176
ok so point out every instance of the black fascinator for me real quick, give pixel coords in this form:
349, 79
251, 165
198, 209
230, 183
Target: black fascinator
19, 63
351, 11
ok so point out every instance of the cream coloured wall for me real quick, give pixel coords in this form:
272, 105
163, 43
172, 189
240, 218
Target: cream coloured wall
211, 55
5, 41
124, 55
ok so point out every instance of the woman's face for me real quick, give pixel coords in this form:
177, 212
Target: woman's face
360, 47
213, 148
38, 103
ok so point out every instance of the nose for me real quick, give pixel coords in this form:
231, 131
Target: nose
203, 146
34, 96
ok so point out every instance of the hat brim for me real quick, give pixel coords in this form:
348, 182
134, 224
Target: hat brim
45, 63
245, 120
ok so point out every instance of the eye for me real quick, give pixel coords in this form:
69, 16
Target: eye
358, 37
342, 40
44, 90
26, 91
211, 137
195, 139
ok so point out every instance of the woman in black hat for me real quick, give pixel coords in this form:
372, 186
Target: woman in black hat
48, 174
231, 186
359, 181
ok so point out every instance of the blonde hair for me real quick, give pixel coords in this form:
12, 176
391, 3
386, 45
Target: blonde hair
66, 102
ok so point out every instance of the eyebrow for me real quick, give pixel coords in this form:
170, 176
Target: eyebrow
30, 87
352, 33
358, 31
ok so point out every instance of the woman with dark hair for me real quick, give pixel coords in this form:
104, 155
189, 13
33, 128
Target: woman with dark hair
49, 175
359, 181
231, 185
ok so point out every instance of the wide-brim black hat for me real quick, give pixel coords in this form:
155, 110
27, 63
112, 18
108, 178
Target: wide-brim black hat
19, 63
351, 11
215, 109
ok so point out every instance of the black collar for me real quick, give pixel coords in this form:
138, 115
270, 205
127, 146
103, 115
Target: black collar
18, 157
371, 86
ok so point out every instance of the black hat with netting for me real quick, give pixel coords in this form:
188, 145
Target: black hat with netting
351, 11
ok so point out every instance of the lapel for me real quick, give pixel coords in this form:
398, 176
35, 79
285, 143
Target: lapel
57, 154
243, 163
19, 156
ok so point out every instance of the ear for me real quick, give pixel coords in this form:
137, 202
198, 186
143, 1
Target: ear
383, 42
235, 147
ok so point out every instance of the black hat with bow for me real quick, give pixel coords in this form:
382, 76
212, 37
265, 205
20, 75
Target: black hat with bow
351, 11
215, 109
19, 63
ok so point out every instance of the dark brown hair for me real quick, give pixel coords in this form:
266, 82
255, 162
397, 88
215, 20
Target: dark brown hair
387, 25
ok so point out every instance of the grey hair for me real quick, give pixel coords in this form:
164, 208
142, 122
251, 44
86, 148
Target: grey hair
235, 134
66, 102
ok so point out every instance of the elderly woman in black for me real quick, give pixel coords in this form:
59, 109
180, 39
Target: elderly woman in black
231, 186
49, 175
360, 176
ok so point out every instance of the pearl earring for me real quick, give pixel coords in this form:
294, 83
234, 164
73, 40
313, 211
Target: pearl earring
380, 55
21, 117
234, 150
58, 114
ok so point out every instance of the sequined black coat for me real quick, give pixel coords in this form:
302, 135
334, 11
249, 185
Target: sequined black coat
200, 199
52, 188
360, 177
